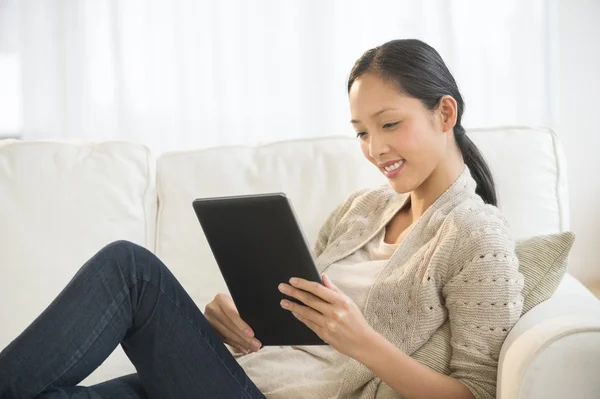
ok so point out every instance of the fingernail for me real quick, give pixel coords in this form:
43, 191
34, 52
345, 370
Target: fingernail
282, 287
248, 332
284, 303
293, 280
256, 345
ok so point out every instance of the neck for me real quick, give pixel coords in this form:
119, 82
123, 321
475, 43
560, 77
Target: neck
443, 176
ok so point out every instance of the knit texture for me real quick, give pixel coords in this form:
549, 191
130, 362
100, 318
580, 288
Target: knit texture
456, 266
543, 263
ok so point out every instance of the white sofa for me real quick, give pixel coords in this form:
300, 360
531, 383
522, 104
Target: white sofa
60, 202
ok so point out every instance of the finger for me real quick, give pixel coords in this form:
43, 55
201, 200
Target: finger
217, 314
305, 297
237, 350
317, 330
230, 337
317, 289
252, 344
240, 351
232, 313
304, 311
329, 284
224, 318
243, 351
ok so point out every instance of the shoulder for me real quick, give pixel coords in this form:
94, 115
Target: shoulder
473, 216
481, 230
366, 200
356, 206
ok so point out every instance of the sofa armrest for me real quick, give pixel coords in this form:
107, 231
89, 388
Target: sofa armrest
554, 350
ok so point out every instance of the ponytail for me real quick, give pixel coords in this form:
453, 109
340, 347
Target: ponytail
479, 168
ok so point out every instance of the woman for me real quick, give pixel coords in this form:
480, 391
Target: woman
426, 261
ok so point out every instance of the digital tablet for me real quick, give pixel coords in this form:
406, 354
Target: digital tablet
258, 244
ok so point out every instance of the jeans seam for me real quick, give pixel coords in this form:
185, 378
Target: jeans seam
90, 344
199, 332
189, 321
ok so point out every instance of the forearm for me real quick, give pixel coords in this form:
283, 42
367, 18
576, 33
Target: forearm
407, 376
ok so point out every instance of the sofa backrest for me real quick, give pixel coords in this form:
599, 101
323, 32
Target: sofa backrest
59, 204
317, 174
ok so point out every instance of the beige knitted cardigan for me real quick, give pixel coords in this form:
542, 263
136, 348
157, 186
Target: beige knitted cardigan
449, 294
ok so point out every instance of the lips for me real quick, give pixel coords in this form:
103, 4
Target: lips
393, 168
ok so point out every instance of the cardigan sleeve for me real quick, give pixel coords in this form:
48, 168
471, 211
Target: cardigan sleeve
483, 298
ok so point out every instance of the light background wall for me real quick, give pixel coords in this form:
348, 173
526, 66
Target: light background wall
197, 73
577, 127
537, 65
11, 113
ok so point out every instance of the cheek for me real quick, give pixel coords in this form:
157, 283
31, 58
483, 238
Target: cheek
419, 142
364, 147
407, 141
434, 144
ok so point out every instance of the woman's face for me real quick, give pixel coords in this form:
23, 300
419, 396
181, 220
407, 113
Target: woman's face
397, 134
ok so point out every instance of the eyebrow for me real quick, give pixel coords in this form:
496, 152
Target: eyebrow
353, 121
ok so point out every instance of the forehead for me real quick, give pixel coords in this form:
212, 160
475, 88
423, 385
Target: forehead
370, 93
372, 84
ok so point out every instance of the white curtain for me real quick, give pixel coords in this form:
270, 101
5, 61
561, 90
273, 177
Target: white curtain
177, 74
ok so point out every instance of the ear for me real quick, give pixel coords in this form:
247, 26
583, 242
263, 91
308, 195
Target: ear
448, 112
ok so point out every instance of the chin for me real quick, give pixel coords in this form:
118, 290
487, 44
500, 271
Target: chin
406, 183
401, 188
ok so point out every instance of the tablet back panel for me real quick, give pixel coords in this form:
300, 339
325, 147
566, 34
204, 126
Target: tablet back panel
258, 243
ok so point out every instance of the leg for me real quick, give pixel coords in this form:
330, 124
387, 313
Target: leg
126, 387
126, 295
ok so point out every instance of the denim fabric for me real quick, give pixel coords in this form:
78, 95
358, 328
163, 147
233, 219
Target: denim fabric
123, 295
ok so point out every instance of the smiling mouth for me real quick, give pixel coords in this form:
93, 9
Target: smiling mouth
393, 167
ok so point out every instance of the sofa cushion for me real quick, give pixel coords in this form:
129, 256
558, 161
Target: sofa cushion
531, 178
61, 203
543, 263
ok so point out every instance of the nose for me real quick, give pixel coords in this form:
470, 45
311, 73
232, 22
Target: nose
377, 146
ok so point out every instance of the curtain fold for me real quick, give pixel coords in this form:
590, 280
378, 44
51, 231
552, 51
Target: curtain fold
177, 74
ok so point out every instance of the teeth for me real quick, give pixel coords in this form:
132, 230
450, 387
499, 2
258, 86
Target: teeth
394, 166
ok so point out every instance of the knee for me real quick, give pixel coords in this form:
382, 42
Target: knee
124, 253
130, 257
120, 248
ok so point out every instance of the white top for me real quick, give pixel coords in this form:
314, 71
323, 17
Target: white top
315, 372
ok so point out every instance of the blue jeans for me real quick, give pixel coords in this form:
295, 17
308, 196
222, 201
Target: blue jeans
123, 295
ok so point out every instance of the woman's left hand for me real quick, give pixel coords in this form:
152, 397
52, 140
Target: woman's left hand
330, 313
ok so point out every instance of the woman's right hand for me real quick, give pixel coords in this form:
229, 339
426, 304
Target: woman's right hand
223, 316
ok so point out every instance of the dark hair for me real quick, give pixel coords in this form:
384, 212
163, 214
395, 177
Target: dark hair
418, 70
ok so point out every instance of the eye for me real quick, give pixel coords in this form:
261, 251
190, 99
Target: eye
360, 134
390, 125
